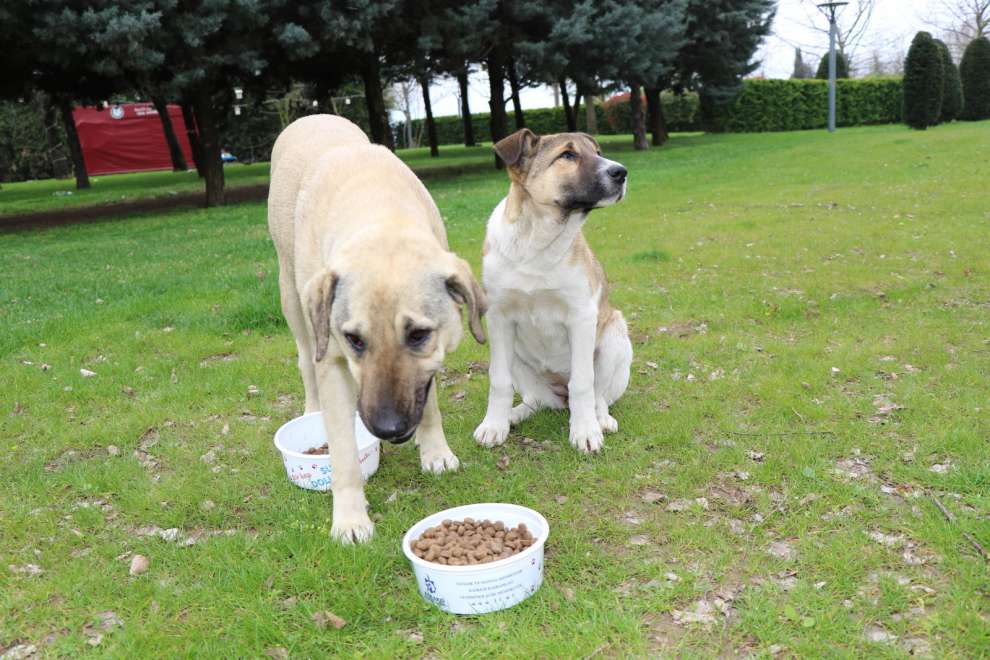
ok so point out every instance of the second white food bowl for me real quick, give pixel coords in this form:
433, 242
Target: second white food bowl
312, 471
481, 588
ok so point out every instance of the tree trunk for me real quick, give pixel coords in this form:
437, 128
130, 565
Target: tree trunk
462, 81
514, 86
654, 111
577, 106
375, 98
496, 102
431, 126
590, 115
75, 149
568, 111
209, 135
174, 150
636, 116
192, 134
56, 149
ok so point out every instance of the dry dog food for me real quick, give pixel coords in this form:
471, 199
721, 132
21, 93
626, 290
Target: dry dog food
470, 541
318, 451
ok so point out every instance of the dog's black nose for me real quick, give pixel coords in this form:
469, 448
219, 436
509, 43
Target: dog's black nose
391, 426
617, 173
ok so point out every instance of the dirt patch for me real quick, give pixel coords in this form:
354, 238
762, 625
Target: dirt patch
121, 210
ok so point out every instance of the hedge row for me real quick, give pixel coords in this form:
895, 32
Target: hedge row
613, 119
789, 105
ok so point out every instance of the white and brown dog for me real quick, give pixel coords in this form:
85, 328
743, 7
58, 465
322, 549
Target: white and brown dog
371, 293
555, 339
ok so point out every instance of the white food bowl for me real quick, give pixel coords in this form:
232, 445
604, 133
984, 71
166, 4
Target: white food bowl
312, 471
481, 588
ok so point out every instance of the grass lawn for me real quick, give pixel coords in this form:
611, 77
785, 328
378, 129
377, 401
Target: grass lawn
810, 319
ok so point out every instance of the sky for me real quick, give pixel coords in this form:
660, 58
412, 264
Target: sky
892, 26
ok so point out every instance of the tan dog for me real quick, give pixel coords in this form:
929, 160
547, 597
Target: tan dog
372, 296
555, 338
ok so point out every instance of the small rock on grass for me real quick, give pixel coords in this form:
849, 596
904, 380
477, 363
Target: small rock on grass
86, 373
277, 653
782, 550
20, 652
139, 565
327, 618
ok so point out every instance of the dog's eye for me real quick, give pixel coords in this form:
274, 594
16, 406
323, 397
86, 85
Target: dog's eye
356, 342
417, 337
568, 155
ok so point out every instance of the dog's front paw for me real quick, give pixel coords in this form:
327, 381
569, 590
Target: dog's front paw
351, 526
439, 462
491, 433
586, 436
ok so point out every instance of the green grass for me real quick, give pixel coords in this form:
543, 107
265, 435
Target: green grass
774, 284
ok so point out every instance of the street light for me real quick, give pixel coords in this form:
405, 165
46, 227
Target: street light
830, 9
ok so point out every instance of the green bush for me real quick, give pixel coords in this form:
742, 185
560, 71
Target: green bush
841, 67
790, 105
613, 119
952, 96
974, 69
923, 80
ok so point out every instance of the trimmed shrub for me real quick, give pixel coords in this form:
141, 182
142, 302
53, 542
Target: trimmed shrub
841, 67
952, 96
613, 119
792, 105
974, 69
923, 79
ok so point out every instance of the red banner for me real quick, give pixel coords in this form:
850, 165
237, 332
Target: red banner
128, 138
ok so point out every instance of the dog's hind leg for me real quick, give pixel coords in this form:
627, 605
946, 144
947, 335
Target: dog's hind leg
296, 318
537, 392
613, 359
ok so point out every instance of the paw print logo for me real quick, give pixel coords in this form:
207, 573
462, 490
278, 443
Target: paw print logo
431, 586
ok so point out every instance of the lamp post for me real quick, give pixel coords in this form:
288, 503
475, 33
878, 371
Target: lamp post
830, 9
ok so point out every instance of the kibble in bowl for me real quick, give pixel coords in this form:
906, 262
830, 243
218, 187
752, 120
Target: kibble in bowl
478, 558
469, 542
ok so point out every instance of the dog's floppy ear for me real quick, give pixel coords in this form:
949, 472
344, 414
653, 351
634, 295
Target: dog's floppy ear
513, 149
465, 290
318, 298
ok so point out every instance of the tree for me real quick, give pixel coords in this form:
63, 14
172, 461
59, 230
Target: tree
852, 27
841, 66
961, 21
721, 38
974, 69
802, 70
923, 79
952, 96
174, 149
463, 42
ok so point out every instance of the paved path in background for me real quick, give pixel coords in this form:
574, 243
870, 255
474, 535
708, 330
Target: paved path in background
120, 210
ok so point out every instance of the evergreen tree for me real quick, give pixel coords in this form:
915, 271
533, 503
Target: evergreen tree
801, 69
952, 98
841, 66
974, 69
721, 38
923, 81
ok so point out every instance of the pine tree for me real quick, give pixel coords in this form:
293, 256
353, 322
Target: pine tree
974, 69
923, 82
841, 66
952, 98
801, 70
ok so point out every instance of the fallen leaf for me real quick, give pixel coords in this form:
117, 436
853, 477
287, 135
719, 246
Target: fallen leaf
652, 496
639, 539
328, 618
277, 653
503, 463
139, 565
